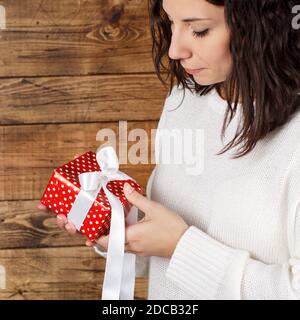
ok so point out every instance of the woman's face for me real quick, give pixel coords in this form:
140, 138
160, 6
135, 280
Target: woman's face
208, 50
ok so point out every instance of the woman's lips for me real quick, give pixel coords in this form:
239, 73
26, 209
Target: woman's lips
194, 71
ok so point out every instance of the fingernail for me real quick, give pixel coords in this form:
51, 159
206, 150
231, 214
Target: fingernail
128, 188
70, 229
62, 219
89, 243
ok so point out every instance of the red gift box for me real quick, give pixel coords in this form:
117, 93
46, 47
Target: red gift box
64, 186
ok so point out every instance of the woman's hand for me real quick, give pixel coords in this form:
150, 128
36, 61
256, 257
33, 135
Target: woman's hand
157, 234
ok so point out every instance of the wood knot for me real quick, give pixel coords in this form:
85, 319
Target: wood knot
116, 14
111, 31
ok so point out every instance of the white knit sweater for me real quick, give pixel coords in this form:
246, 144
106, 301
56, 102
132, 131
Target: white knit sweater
244, 216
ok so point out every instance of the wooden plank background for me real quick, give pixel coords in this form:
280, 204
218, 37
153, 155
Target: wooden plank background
68, 68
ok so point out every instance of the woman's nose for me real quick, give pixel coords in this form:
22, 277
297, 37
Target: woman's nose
178, 49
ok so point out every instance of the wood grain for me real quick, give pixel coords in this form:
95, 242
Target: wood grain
81, 99
56, 273
66, 37
22, 225
68, 69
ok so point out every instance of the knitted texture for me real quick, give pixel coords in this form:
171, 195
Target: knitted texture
243, 240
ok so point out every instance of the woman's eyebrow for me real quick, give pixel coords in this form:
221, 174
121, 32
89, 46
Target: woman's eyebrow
190, 19
195, 19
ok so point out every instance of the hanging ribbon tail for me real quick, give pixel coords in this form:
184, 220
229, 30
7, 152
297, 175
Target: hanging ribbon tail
128, 276
115, 251
129, 263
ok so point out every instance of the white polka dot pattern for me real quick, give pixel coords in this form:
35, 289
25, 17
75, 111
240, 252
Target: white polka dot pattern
64, 186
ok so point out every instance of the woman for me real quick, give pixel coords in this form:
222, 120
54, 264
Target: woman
232, 230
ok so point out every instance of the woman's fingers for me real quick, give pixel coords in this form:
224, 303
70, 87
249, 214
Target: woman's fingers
61, 221
103, 241
70, 228
89, 243
42, 207
127, 209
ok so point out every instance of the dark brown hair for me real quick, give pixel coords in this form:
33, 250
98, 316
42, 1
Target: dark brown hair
265, 69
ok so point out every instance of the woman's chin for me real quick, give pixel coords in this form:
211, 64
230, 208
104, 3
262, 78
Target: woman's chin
203, 82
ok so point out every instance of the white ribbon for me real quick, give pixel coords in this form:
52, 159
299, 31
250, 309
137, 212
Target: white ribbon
119, 277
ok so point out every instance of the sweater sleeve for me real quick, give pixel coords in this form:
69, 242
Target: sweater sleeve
209, 269
206, 268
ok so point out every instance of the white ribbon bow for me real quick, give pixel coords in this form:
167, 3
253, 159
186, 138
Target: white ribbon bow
119, 277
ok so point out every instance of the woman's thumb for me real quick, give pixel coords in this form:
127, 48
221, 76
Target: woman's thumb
136, 199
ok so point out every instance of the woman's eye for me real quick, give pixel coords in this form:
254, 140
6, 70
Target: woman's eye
200, 33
